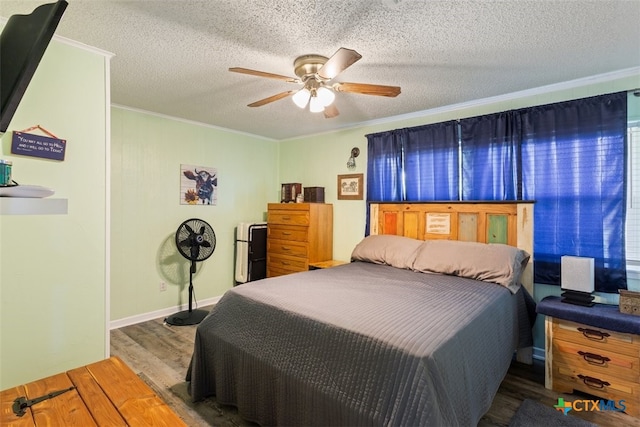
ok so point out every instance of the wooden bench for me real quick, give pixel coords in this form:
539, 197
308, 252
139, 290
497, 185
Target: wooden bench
107, 393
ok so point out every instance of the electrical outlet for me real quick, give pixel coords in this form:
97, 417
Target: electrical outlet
163, 286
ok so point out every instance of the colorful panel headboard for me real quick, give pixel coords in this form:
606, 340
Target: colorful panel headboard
510, 223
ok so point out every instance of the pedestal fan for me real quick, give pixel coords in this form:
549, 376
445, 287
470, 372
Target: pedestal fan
196, 241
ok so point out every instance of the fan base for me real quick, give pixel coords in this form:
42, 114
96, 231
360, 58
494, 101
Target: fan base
186, 317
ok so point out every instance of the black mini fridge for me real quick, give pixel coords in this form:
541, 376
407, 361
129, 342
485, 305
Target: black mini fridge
251, 252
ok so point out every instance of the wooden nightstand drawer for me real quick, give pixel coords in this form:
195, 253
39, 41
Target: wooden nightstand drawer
598, 361
287, 247
288, 217
288, 232
601, 339
567, 378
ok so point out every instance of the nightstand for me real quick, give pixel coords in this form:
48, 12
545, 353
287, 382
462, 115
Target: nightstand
595, 350
325, 264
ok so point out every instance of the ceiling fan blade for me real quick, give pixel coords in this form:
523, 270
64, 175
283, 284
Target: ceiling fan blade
271, 99
265, 74
367, 89
331, 111
339, 62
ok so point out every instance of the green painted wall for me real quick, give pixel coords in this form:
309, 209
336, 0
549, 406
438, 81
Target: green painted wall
147, 151
52, 267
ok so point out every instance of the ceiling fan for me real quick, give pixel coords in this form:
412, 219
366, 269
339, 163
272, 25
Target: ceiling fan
315, 73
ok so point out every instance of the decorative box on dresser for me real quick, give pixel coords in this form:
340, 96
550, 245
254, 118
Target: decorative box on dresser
595, 350
298, 234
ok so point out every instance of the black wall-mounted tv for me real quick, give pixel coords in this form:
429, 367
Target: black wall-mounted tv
23, 42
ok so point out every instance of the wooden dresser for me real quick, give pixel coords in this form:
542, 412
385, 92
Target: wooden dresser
298, 234
602, 362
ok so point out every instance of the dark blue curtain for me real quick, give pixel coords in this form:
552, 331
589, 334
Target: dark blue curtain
574, 167
490, 147
384, 169
431, 162
569, 157
384, 166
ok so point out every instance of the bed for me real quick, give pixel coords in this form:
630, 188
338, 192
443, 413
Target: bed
411, 332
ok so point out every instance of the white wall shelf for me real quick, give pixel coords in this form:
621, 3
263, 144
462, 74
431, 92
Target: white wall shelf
32, 206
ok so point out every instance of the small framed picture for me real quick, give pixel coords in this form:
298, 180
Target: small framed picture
350, 186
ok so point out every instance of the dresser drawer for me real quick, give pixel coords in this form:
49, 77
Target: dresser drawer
601, 385
597, 338
598, 361
288, 217
298, 233
288, 263
287, 247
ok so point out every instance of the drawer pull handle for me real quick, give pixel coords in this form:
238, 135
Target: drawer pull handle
593, 382
286, 248
593, 334
594, 359
286, 233
286, 218
285, 263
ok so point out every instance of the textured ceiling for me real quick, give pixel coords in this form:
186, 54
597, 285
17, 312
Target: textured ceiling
172, 56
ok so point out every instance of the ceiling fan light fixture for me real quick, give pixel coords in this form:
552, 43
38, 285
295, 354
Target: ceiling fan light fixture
301, 97
326, 96
315, 105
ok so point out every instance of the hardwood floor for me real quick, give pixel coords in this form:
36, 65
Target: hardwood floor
160, 355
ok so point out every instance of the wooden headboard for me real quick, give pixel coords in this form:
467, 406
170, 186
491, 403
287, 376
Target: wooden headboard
510, 223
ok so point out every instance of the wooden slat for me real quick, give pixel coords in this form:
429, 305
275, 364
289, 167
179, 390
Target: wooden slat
497, 231
410, 224
100, 407
467, 227
7, 417
136, 401
67, 409
390, 223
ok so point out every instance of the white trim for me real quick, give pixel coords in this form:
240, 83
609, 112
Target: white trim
83, 46
571, 84
107, 202
139, 318
191, 122
70, 42
633, 272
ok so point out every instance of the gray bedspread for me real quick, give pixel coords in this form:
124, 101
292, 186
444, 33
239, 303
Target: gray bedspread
358, 344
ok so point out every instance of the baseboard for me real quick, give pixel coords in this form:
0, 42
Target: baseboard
139, 318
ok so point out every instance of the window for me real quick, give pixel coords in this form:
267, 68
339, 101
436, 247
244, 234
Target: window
569, 157
633, 195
